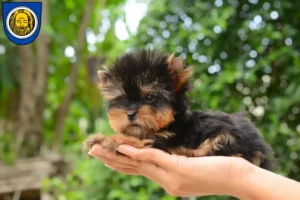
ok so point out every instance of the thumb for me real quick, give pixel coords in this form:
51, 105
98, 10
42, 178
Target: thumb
151, 155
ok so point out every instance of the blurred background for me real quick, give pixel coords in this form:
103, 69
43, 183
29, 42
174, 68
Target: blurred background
245, 56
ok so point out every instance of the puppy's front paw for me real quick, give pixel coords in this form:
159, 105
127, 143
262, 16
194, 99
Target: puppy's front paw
111, 143
92, 140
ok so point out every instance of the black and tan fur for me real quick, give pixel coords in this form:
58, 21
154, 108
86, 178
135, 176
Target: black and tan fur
147, 107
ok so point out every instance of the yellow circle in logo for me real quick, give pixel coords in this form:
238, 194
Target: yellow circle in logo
22, 22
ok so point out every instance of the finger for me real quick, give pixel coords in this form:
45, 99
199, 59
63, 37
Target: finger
98, 150
113, 163
126, 171
148, 154
149, 170
153, 172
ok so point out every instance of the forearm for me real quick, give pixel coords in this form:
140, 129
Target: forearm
211, 175
260, 184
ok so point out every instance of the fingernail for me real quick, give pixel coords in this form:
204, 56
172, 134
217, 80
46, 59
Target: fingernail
121, 149
90, 153
109, 167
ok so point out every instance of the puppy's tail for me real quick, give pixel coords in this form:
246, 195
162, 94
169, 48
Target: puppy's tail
268, 164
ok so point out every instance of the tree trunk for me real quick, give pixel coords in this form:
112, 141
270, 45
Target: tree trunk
42, 46
33, 75
27, 103
62, 111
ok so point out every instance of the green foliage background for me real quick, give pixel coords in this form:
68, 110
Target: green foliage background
245, 56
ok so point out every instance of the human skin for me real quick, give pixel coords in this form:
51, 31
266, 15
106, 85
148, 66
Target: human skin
201, 176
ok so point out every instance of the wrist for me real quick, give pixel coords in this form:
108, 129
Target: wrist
241, 174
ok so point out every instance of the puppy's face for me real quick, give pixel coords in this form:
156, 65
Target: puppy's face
140, 89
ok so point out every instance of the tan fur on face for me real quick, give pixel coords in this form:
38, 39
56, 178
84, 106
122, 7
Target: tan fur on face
154, 120
118, 119
148, 89
148, 121
119, 122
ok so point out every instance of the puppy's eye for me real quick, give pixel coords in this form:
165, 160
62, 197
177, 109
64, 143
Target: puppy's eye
150, 98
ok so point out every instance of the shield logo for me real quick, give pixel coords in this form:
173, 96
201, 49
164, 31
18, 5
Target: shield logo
22, 21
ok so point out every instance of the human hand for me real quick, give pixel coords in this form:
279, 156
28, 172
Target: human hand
179, 175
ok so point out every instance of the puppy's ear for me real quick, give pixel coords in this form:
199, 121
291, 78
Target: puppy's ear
105, 78
108, 87
178, 72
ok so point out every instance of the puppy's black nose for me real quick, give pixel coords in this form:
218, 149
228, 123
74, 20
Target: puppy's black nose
131, 114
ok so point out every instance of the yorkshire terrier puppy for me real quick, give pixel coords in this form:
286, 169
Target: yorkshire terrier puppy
147, 107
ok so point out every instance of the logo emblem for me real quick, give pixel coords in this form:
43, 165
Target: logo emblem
22, 21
